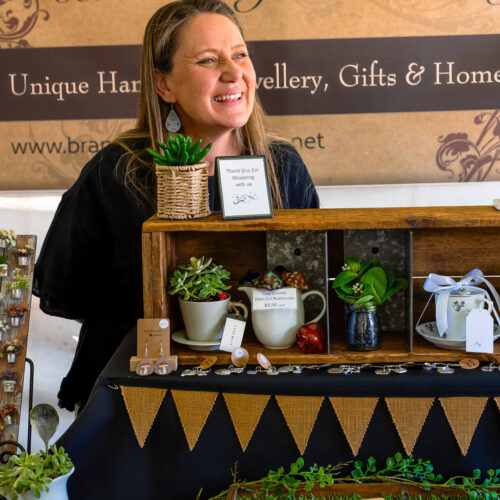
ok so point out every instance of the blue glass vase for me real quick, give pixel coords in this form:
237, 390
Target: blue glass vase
363, 328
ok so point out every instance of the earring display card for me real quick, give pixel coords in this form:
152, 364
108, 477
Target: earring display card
303, 251
390, 247
154, 331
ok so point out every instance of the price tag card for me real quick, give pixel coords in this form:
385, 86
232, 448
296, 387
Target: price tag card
479, 331
152, 331
283, 298
232, 335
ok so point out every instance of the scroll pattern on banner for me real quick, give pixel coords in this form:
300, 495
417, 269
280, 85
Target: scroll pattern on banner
142, 405
300, 413
245, 411
409, 415
354, 415
193, 408
463, 415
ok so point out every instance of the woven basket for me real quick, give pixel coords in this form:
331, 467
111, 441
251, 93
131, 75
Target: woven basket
182, 192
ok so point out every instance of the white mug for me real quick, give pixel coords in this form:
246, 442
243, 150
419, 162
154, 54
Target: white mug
204, 321
460, 303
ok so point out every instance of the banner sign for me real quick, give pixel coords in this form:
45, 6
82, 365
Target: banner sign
368, 91
337, 76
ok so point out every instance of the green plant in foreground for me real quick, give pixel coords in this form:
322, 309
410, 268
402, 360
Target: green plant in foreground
199, 281
34, 472
179, 151
366, 284
396, 470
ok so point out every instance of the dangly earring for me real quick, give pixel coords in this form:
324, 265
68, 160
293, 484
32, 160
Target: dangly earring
173, 122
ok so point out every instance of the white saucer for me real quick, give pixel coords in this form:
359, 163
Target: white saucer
430, 332
180, 337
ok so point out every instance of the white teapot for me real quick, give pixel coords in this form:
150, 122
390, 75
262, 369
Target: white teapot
275, 328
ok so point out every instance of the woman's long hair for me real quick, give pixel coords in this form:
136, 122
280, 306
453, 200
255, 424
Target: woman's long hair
159, 45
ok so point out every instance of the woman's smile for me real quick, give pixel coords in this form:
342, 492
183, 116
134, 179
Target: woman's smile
212, 81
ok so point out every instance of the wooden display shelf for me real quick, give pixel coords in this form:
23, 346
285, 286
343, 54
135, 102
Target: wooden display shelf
19, 333
393, 348
443, 240
339, 218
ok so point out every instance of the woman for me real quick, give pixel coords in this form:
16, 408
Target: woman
195, 70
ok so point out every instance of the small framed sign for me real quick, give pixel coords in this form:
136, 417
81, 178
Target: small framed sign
244, 187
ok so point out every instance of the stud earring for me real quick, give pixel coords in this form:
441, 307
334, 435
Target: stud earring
173, 122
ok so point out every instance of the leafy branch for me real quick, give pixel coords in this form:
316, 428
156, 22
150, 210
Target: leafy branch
398, 470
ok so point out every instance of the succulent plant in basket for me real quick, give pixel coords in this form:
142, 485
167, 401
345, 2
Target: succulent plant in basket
181, 180
204, 303
179, 151
364, 287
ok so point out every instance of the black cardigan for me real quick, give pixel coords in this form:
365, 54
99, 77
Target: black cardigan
90, 263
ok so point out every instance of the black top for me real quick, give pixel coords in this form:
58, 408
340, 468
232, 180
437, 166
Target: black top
90, 263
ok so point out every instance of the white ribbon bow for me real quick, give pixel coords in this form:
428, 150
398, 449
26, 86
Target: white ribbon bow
444, 285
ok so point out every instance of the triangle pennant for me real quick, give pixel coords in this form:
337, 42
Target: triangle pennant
142, 405
498, 403
245, 411
300, 414
354, 415
409, 415
463, 415
193, 408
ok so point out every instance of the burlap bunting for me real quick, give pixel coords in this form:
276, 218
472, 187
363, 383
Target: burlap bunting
142, 406
498, 403
300, 414
463, 415
193, 408
245, 411
354, 415
409, 415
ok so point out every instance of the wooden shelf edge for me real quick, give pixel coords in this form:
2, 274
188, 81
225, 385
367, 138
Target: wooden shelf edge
340, 219
393, 349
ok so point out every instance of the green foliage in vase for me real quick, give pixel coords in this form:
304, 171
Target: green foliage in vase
366, 284
34, 472
199, 281
299, 480
18, 282
179, 151
9, 236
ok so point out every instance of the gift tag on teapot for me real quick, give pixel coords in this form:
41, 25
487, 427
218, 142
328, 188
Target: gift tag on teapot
479, 331
232, 335
283, 298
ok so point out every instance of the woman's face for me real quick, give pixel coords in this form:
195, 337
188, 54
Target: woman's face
212, 81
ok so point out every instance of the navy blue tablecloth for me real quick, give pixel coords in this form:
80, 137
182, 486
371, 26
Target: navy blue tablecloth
110, 464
